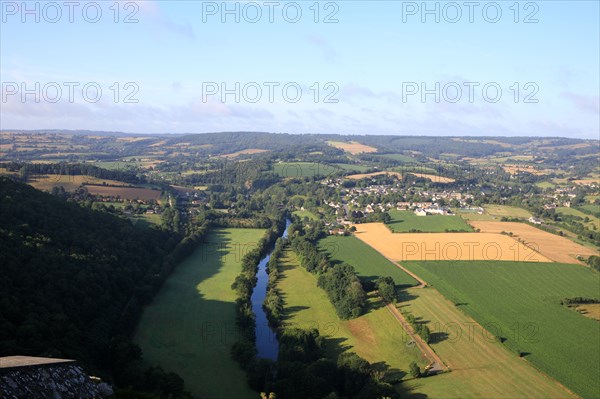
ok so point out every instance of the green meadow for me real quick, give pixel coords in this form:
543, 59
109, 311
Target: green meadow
520, 303
407, 221
190, 326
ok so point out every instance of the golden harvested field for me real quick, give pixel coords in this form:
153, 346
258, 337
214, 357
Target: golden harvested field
591, 310
359, 176
4, 171
150, 163
445, 246
567, 147
514, 169
481, 366
500, 143
70, 183
158, 144
130, 193
552, 246
587, 182
352, 147
434, 178
133, 139
249, 151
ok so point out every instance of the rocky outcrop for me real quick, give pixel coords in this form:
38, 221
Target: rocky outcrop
50, 381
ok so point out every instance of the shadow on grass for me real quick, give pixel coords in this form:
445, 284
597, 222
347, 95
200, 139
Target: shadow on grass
436, 337
191, 324
335, 346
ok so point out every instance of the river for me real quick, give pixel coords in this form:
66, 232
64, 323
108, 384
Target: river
266, 339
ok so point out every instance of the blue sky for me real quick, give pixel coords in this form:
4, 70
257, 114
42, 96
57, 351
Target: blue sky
374, 59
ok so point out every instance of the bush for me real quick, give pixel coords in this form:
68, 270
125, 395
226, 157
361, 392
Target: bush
415, 370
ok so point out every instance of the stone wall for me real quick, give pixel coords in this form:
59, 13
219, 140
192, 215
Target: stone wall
51, 382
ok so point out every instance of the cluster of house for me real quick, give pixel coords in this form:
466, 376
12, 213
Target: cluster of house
429, 207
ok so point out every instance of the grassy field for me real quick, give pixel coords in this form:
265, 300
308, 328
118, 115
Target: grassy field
190, 326
312, 169
368, 263
520, 302
591, 208
507, 211
591, 198
416, 169
376, 335
147, 219
405, 221
473, 215
305, 213
117, 165
481, 367
400, 158
594, 221
303, 169
352, 167
545, 184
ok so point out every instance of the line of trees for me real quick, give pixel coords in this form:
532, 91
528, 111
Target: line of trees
304, 371
420, 328
594, 262
339, 281
273, 303
579, 301
244, 350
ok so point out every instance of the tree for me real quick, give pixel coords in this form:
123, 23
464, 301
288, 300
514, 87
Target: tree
386, 288
424, 332
415, 370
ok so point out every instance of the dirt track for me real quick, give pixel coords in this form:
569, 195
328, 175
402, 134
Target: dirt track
437, 366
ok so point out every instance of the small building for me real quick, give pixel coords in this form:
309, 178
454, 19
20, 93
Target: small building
420, 212
535, 220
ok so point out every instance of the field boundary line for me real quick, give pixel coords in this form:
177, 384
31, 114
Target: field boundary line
436, 362
471, 320
422, 283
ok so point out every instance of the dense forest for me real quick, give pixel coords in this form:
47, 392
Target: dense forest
74, 281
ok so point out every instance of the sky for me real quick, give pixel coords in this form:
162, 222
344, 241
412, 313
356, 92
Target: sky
508, 68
